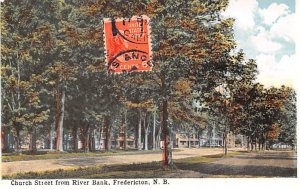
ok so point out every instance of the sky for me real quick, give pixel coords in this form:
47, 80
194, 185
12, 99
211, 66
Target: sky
265, 30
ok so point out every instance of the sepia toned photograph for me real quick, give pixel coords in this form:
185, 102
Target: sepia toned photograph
146, 92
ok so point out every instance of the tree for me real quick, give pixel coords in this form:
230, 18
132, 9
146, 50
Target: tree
238, 96
273, 133
288, 118
179, 50
21, 70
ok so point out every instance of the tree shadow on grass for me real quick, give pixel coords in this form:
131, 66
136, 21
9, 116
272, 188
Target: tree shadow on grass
271, 156
268, 157
238, 171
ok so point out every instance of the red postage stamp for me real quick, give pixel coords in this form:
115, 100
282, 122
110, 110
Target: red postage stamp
128, 44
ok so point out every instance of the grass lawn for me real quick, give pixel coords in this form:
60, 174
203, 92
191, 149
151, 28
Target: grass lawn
50, 155
143, 170
9, 157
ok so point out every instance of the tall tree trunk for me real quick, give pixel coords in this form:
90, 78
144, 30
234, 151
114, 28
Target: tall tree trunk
47, 140
116, 142
188, 140
140, 131
75, 138
146, 128
92, 139
199, 139
109, 140
123, 124
66, 141
225, 143
100, 136
84, 136
107, 134
262, 142
136, 136
60, 120
87, 141
17, 127
167, 153
32, 140
171, 138
146, 138
153, 136
16, 135
255, 144
158, 136
125, 130
248, 143
4, 139
51, 137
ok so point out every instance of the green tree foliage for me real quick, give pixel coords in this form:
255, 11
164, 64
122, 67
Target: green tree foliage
21, 70
288, 119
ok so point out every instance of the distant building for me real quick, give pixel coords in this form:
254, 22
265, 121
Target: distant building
116, 143
206, 139
184, 141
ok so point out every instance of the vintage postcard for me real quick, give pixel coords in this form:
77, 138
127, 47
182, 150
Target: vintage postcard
151, 94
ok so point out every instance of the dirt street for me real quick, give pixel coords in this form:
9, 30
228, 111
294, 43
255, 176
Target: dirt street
263, 164
52, 164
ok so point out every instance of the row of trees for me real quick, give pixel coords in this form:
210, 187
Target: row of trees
54, 76
259, 113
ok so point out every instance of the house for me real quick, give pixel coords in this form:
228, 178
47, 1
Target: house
208, 138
